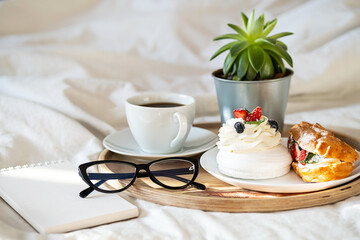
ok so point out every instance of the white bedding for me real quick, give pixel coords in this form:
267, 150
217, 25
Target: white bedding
66, 67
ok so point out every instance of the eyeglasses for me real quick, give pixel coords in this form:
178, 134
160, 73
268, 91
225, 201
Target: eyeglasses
170, 173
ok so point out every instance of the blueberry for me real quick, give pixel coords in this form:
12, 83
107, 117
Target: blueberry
274, 124
239, 127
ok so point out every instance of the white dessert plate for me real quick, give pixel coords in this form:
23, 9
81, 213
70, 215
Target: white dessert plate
289, 183
122, 142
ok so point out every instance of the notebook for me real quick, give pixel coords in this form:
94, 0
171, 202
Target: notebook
47, 197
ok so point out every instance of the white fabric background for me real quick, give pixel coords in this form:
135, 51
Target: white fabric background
67, 66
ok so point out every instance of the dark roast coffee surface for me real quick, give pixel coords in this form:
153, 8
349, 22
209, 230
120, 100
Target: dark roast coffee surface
162, 105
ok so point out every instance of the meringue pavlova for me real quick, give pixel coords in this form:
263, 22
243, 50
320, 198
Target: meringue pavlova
250, 147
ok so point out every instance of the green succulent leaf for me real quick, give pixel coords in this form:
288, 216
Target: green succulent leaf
269, 22
265, 40
228, 63
250, 22
269, 26
273, 41
228, 36
256, 57
223, 49
267, 71
236, 78
279, 51
238, 48
234, 67
251, 73
243, 64
257, 28
277, 67
280, 35
244, 20
239, 30
278, 60
281, 44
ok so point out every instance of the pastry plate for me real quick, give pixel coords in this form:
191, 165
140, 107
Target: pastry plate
122, 142
289, 183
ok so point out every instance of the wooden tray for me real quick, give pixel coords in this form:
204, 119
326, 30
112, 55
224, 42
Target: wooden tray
222, 197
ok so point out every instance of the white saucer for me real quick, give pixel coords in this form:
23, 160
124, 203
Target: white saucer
289, 183
199, 140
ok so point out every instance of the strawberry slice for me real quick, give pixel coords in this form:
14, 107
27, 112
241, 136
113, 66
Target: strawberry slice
240, 113
302, 156
293, 151
288, 142
255, 115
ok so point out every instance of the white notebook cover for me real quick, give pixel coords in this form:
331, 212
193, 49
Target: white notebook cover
47, 197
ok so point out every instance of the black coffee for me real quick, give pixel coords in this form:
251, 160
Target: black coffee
162, 105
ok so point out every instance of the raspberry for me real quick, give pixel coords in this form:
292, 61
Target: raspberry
255, 115
240, 113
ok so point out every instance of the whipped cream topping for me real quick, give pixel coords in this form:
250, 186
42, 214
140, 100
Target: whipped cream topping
323, 162
256, 137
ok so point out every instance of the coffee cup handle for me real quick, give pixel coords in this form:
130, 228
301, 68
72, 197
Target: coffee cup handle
183, 125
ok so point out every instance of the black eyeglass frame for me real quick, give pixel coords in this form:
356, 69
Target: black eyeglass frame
83, 174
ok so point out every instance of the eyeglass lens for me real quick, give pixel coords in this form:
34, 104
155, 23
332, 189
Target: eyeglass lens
171, 172
117, 175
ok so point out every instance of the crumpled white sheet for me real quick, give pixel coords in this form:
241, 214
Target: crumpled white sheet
67, 66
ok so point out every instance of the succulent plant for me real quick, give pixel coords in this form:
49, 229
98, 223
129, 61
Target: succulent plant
253, 55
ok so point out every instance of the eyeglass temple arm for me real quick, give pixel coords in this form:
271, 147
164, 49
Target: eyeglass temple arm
195, 184
84, 193
173, 174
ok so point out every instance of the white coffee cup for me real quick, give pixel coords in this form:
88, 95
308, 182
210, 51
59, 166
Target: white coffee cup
160, 122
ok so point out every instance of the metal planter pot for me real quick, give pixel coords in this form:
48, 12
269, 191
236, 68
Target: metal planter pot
271, 95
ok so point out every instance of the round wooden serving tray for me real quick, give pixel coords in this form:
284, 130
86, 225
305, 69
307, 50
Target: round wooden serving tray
222, 197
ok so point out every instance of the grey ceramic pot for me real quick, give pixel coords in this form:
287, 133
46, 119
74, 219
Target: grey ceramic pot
271, 95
